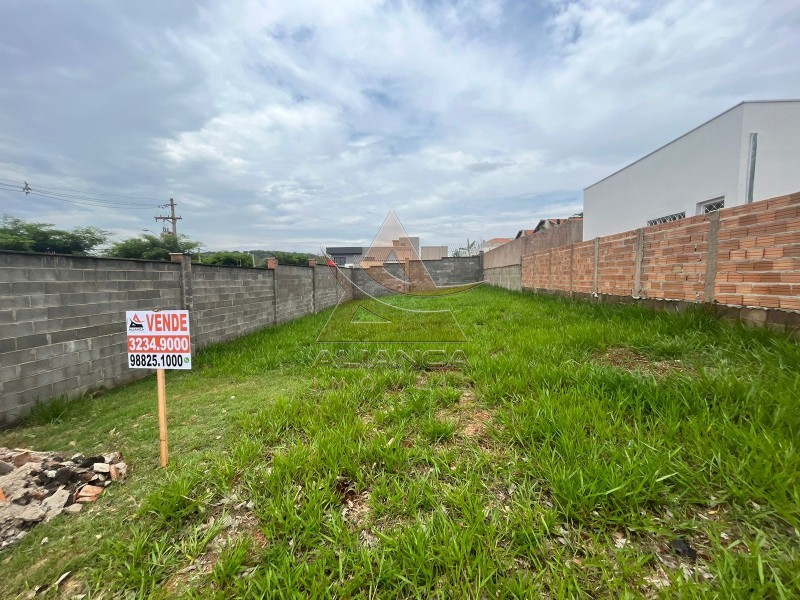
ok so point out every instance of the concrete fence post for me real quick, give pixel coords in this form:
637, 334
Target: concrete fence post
595, 287
571, 263
711, 258
185, 261
637, 278
312, 263
272, 265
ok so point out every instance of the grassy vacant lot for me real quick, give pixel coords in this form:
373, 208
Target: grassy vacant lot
584, 451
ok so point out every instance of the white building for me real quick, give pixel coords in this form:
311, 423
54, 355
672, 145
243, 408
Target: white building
748, 153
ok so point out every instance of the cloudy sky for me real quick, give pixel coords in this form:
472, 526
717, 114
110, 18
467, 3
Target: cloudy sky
296, 124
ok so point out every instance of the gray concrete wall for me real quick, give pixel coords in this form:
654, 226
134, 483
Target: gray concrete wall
364, 285
326, 291
509, 277
444, 272
227, 303
62, 318
295, 292
62, 323
455, 270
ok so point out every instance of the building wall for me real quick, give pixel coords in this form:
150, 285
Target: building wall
62, 318
778, 156
701, 165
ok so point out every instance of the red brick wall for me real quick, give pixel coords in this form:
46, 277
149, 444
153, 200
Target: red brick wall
758, 254
756, 263
674, 259
583, 267
617, 264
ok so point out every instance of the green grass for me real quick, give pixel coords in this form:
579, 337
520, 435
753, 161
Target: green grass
578, 442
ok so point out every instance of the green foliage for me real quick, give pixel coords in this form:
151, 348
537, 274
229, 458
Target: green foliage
284, 258
152, 247
229, 259
16, 234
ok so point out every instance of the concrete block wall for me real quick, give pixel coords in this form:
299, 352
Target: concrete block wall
455, 270
227, 302
295, 292
62, 318
508, 277
391, 278
370, 283
327, 292
62, 323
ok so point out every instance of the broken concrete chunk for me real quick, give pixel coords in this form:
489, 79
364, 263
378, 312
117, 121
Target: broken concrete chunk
56, 502
73, 509
31, 514
5, 468
101, 467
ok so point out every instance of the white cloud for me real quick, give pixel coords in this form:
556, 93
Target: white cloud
312, 120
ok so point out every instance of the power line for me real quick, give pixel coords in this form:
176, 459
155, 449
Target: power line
47, 187
84, 201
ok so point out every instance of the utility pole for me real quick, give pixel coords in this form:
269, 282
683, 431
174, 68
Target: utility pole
172, 218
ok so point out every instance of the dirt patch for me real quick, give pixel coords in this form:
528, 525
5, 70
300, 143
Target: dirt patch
474, 421
477, 423
356, 510
236, 522
630, 360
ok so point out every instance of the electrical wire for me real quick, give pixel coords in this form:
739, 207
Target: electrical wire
79, 200
46, 188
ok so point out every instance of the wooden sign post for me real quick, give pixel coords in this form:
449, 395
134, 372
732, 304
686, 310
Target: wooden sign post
159, 339
162, 414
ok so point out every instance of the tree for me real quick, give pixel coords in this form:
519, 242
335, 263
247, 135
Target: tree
16, 234
153, 247
228, 259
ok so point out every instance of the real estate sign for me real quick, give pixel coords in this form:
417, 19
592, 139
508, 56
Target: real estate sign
158, 339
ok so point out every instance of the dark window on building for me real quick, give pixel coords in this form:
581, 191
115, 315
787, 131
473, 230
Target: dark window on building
667, 218
711, 206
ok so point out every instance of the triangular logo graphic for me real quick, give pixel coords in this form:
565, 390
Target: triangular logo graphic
364, 315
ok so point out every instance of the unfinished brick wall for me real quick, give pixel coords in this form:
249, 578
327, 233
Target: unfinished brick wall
583, 267
616, 263
675, 259
743, 256
758, 255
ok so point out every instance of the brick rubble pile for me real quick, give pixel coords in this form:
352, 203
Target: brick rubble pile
37, 486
